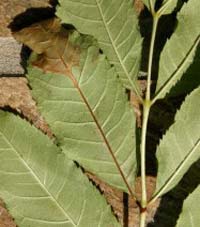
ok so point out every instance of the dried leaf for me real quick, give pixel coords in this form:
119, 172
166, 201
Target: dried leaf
50, 41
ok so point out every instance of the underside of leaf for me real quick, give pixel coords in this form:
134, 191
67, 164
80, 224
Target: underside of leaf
40, 186
190, 80
180, 147
115, 26
179, 50
86, 107
190, 212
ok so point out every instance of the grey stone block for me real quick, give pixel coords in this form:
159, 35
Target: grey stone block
10, 57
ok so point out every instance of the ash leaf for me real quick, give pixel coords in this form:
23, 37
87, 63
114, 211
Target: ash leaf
86, 106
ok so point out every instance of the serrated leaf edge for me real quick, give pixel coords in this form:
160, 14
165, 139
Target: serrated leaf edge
176, 172
164, 88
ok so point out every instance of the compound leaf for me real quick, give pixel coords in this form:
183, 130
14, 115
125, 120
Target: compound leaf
85, 104
115, 25
41, 186
179, 50
180, 147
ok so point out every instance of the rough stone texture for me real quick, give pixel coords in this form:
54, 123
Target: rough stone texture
10, 8
10, 50
5, 219
10, 60
14, 92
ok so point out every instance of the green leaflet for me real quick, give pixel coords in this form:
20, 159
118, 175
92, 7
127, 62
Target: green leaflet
180, 147
167, 7
179, 50
40, 186
114, 24
190, 212
190, 80
89, 129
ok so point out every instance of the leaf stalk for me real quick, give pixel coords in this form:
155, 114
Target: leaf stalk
146, 110
151, 51
143, 218
152, 7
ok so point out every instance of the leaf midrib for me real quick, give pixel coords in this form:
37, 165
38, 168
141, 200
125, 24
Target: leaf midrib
38, 180
115, 49
98, 125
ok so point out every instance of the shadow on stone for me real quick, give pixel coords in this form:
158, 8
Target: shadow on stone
25, 19
30, 16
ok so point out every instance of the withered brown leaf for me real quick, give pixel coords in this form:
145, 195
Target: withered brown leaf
50, 40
